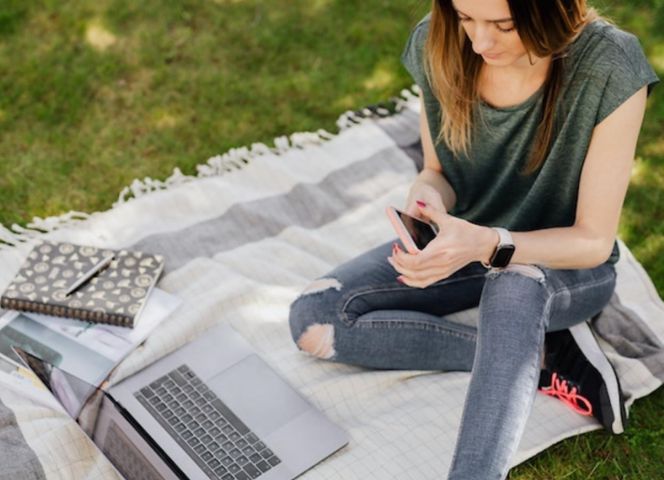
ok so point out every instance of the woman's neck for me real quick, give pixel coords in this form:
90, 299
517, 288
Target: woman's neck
510, 85
519, 74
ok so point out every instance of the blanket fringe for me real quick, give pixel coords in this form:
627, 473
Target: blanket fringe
16, 234
234, 159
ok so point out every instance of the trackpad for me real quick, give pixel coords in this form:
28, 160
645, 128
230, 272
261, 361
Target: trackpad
257, 395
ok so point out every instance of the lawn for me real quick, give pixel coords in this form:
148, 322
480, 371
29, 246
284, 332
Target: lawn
95, 94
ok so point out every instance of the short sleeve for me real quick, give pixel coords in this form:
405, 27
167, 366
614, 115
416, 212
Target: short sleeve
627, 71
413, 54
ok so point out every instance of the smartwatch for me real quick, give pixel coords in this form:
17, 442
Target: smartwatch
504, 250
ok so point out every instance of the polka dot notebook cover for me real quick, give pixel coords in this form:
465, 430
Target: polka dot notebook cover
116, 295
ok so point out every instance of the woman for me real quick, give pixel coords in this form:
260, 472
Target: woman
530, 117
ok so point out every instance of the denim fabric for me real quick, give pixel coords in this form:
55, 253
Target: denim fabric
381, 323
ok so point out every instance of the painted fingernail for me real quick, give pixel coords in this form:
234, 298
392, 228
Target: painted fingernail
420, 203
400, 279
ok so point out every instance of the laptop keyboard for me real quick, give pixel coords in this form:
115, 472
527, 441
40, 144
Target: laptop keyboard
213, 436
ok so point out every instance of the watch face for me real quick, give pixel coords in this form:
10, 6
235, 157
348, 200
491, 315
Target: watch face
501, 258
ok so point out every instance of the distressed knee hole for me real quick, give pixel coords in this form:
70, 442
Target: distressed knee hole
318, 340
531, 271
322, 284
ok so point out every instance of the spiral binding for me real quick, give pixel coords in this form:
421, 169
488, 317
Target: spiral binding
66, 312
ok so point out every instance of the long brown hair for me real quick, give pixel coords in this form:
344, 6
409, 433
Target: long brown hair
546, 27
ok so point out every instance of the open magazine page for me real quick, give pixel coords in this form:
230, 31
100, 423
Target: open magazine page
23, 381
113, 342
71, 392
87, 351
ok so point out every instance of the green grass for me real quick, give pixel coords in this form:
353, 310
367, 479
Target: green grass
182, 81
95, 94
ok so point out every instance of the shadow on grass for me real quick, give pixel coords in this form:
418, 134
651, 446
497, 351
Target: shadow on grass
12, 16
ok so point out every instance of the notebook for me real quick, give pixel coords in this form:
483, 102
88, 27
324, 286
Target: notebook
115, 296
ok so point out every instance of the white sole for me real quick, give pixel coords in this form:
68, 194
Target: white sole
590, 348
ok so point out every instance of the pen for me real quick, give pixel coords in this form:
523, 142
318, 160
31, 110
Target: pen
103, 263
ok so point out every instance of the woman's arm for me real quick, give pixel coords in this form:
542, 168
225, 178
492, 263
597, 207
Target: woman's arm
432, 173
602, 189
586, 244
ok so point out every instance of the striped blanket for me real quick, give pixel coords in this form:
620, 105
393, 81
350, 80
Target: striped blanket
242, 238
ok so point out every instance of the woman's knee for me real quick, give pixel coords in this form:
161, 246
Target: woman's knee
527, 270
517, 276
516, 291
318, 340
310, 317
320, 308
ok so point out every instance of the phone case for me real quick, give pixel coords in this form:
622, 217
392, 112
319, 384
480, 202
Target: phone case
403, 234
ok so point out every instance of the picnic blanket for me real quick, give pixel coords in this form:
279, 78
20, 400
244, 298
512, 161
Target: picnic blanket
242, 238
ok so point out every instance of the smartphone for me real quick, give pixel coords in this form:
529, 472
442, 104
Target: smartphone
414, 233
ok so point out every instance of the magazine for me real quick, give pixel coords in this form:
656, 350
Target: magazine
86, 350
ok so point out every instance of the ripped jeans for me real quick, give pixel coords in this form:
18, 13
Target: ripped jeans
360, 314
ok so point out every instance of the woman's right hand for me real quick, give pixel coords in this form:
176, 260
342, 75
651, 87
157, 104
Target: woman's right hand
424, 193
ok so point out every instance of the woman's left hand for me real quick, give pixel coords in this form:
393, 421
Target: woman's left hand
457, 244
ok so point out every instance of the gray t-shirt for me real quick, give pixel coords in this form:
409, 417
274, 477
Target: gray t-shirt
604, 67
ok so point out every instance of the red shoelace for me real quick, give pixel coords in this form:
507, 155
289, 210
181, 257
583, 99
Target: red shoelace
560, 389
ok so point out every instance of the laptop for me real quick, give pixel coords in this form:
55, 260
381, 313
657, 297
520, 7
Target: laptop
211, 409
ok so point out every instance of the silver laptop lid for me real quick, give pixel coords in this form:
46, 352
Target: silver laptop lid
243, 416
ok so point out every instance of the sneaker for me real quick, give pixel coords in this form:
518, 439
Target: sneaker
577, 372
